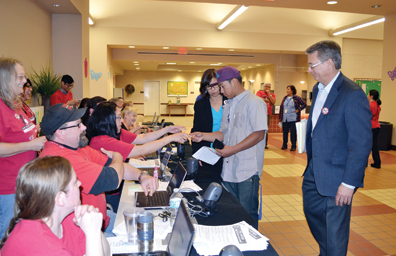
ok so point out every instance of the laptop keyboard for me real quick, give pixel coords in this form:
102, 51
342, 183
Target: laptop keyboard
158, 199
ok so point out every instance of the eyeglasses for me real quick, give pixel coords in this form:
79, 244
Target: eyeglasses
314, 65
118, 117
70, 85
77, 125
213, 87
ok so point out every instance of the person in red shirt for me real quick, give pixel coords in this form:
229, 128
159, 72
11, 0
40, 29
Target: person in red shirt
375, 108
270, 100
50, 219
64, 95
97, 172
18, 136
26, 95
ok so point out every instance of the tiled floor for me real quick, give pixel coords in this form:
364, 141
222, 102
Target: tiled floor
373, 222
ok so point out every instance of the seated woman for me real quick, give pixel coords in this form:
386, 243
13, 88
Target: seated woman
104, 131
92, 103
129, 116
49, 218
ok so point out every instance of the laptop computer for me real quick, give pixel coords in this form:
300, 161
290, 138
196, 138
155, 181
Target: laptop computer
162, 165
152, 122
181, 239
161, 198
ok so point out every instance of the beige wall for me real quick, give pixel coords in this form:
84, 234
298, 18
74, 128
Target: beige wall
388, 87
25, 33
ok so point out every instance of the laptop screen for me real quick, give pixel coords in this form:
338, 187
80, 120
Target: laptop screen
182, 235
177, 178
165, 159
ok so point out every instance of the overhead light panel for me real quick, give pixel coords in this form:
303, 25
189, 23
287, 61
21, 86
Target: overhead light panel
238, 10
165, 47
332, 2
131, 46
171, 63
357, 25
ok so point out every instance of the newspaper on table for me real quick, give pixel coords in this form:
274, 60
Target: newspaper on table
207, 155
209, 240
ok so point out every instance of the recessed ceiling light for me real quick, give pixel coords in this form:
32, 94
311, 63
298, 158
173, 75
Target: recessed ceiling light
131, 46
215, 64
258, 65
332, 2
138, 68
136, 62
179, 71
250, 67
243, 68
376, 6
231, 50
192, 62
170, 63
199, 49
165, 47
56, 5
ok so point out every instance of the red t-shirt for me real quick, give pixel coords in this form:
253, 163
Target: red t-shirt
122, 146
263, 94
34, 237
15, 127
375, 111
88, 164
60, 97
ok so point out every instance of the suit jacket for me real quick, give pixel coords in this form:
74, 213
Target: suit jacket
340, 143
203, 120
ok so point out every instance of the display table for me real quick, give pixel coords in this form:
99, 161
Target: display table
178, 105
229, 211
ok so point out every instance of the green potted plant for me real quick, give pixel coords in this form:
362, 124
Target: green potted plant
45, 83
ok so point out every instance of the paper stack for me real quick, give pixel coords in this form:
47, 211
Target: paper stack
209, 240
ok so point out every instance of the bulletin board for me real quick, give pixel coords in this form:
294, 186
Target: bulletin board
369, 84
177, 88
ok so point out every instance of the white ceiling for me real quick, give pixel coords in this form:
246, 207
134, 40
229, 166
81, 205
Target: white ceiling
303, 17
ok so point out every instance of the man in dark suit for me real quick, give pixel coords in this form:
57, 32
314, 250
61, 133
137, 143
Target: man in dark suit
338, 144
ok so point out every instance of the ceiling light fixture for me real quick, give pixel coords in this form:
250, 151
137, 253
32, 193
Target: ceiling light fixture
137, 68
238, 10
131, 46
332, 2
231, 50
192, 62
165, 47
357, 25
90, 21
302, 76
376, 6
136, 62
171, 63
56, 5
199, 49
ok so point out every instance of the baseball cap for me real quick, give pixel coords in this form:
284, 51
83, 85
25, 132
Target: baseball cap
226, 73
58, 115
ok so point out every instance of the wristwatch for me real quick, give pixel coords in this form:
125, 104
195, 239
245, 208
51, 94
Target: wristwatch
142, 173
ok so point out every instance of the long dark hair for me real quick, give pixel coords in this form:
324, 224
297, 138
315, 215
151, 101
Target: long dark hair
103, 121
375, 95
92, 103
205, 81
37, 185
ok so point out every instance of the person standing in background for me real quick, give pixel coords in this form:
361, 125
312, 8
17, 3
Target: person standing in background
375, 108
64, 95
270, 100
27, 94
338, 143
289, 115
18, 136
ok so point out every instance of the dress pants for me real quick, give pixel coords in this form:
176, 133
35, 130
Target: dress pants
329, 224
374, 149
286, 126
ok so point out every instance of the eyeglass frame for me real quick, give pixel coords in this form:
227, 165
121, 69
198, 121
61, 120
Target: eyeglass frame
213, 87
314, 65
77, 125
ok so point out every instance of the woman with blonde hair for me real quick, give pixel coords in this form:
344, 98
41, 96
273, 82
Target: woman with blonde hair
49, 219
18, 135
129, 116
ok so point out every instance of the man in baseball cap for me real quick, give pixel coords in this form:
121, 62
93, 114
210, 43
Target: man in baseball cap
98, 172
242, 130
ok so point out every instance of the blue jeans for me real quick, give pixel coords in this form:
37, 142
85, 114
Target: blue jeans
109, 230
246, 192
7, 203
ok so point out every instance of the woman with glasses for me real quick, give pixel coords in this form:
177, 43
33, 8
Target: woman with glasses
49, 219
289, 115
26, 95
375, 108
18, 136
207, 118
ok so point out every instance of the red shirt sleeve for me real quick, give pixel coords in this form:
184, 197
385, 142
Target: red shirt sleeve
112, 144
127, 136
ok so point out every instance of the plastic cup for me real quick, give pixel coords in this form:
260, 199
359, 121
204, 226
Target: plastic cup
131, 218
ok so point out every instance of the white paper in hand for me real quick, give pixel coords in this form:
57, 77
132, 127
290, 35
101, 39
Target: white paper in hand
207, 155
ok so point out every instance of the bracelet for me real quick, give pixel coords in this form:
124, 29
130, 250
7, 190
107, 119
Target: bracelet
142, 173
